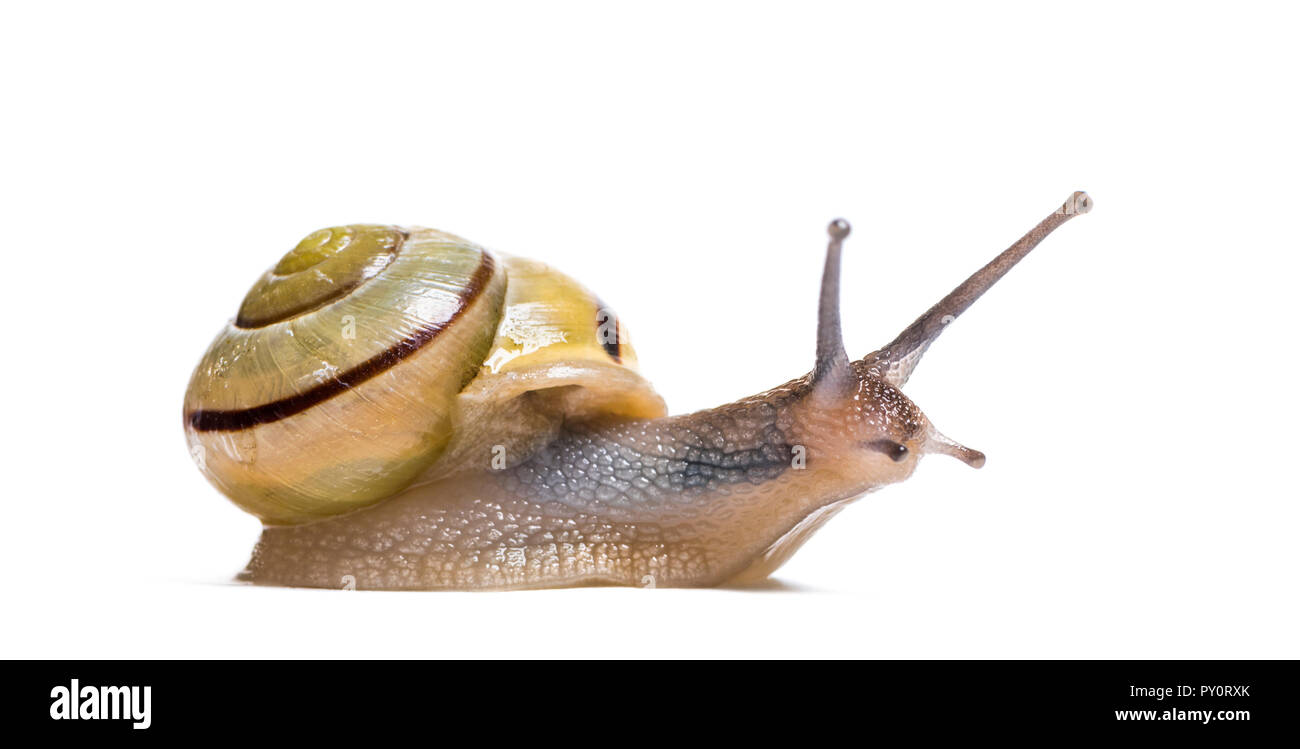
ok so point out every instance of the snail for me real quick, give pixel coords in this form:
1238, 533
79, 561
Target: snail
404, 409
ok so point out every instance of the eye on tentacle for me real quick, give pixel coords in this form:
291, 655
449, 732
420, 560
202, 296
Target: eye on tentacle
896, 360
832, 367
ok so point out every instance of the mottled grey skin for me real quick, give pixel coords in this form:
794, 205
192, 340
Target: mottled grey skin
619, 470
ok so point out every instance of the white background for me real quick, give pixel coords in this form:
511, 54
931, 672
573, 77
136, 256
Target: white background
1133, 382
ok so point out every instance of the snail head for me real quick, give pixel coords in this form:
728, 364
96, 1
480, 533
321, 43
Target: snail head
858, 406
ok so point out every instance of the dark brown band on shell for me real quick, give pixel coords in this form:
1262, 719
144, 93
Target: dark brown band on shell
613, 346
244, 418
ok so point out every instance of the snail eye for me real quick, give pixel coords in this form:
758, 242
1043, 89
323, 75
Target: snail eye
896, 451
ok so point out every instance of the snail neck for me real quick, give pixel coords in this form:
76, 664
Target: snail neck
680, 461
783, 446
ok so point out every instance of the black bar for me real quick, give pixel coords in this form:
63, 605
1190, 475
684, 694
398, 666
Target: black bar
555, 701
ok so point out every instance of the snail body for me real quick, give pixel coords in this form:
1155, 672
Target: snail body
484, 426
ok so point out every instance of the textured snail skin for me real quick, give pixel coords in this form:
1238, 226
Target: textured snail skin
596, 487
700, 499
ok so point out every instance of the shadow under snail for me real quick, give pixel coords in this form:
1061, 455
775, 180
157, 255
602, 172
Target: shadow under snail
404, 409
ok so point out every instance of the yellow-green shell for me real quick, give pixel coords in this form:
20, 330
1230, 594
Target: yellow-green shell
373, 357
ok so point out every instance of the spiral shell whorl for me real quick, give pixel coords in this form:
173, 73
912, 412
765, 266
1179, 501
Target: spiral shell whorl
325, 266
338, 399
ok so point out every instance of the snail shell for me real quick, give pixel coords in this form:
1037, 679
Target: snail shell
371, 358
